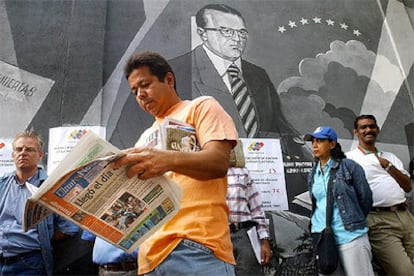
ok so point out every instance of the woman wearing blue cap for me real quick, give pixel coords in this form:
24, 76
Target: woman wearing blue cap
351, 202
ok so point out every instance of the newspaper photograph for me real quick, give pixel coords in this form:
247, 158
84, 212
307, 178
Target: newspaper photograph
179, 136
104, 200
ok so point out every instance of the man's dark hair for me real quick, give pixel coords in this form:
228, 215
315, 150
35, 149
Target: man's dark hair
156, 63
200, 16
364, 116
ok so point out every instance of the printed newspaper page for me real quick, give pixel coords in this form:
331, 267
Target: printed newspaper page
179, 136
87, 191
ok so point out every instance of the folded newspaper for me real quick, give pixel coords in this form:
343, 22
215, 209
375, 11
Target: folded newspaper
84, 189
179, 136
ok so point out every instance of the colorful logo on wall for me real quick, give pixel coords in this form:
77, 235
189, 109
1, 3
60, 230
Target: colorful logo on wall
2, 145
77, 134
255, 146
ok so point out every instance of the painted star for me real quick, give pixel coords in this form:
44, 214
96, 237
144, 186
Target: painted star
281, 29
304, 21
357, 33
317, 20
292, 24
344, 26
330, 22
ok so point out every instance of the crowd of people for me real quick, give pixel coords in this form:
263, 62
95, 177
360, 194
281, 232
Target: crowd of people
208, 235
370, 215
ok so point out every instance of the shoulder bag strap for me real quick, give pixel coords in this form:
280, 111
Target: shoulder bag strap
329, 199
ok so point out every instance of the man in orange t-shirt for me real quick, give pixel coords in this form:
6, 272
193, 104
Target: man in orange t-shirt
197, 239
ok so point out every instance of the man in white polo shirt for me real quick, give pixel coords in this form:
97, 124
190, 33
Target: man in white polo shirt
391, 225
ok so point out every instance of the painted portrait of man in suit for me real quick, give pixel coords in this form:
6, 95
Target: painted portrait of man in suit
223, 32
204, 71
207, 70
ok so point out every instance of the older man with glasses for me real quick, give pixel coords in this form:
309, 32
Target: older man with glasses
27, 253
216, 68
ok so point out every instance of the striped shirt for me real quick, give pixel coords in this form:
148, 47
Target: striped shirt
244, 200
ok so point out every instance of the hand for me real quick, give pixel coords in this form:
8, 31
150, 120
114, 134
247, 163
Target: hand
383, 162
144, 162
402, 179
211, 162
265, 252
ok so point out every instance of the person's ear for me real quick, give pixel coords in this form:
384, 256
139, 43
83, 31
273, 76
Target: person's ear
41, 155
202, 33
355, 131
333, 144
169, 79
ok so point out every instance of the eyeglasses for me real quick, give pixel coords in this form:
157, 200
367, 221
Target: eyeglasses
21, 149
229, 32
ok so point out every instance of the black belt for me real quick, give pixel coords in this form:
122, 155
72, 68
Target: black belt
15, 258
124, 266
236, 226
399, 207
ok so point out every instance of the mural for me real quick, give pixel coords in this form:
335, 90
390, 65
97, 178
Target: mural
305, 63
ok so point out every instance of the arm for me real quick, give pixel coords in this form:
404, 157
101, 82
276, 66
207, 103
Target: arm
209, 163
215, 133
258, 215
63, 228
402, 179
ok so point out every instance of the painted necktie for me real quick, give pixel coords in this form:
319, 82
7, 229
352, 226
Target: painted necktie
243, 101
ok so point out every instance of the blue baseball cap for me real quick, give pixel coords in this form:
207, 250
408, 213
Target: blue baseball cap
322, 132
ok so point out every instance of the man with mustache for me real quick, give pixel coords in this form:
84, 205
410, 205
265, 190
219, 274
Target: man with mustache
391, 225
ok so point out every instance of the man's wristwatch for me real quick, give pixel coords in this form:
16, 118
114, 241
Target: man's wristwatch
388, 167
265, 239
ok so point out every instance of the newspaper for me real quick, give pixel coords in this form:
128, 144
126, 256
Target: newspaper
179, 136
237, 156
255, 243
84, 189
